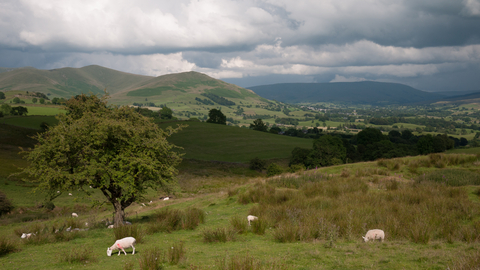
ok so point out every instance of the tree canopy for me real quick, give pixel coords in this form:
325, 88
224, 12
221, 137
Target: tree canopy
217, 117
259, 125
113, 149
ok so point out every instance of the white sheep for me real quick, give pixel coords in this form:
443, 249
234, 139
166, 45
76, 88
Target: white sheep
166, 198
121, 244
374, 235
110, 226
74, 215
251, 218
26, 235
69, 194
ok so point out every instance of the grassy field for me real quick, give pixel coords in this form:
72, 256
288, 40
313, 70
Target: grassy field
206, 141
428, 206
341, 201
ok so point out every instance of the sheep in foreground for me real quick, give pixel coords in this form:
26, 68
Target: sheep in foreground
121, 244
251, 218
374, 235
74, 215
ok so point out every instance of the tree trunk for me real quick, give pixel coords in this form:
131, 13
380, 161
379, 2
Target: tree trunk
119, 214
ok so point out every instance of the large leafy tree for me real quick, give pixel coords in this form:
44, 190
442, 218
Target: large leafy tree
217, 117
113, 149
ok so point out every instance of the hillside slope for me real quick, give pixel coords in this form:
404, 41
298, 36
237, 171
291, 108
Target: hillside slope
375, 93
67, 82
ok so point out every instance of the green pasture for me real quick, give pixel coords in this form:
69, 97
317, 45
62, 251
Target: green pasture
205, 141
33, 121
262, 250
44, 110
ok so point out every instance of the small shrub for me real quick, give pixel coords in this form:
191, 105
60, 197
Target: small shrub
176, 253
49, 205
7, 246
151, 259
257, 164
218, 235
296, 168
5, 204
274, 169
78, 255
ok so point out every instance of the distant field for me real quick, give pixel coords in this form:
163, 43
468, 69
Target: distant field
29, 121
206, 141
41, 110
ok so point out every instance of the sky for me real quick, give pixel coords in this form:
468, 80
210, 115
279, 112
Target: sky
432, 45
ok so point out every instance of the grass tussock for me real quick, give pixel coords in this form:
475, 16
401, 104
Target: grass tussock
128, 231
168, 220
346, 207
60, 231
81, 254
151, 259
176, 253
219, 235
7, 246
239, 224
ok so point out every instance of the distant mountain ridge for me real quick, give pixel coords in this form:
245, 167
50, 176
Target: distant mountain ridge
365, 92
123, 88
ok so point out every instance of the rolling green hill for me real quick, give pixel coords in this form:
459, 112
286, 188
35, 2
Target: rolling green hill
67, 82
375, 93
205, 141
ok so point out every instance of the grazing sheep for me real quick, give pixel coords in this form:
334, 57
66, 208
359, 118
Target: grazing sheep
251, 218
69, 194
69, 229
127, 223
121, 244
74, 215
26, 235
58, 191
374, 235
143, 204
110, 226
166, 198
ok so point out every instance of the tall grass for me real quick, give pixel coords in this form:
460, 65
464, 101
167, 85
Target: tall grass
218, 235
346, 207
7, 246
128, 231
151, 259
176, 253
81, 254
168, 220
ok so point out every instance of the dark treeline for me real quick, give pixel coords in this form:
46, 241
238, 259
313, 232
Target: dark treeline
217, 99
368, 145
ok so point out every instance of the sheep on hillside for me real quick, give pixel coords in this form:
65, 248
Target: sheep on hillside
121, 244
74, 215
26, 235
251, 218
110, 226
374, 235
